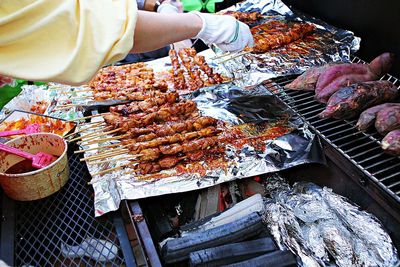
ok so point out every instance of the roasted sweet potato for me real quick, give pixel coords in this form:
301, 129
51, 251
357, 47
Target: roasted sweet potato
391, 143
349, 101
368, 116
308, 80
388, 119
338, 76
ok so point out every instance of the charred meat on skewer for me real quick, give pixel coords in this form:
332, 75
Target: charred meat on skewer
276, 34
245, 17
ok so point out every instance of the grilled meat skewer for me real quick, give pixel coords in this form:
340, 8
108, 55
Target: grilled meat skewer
147, 105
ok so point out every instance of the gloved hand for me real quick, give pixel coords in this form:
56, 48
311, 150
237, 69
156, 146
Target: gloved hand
170, 6
224, 31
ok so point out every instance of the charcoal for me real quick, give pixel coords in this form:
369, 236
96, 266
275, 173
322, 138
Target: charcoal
273, 259
178, 249
231, 253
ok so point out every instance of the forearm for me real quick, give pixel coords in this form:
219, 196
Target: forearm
154, 30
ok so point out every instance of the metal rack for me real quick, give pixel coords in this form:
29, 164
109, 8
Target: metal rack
66, 217
361, 148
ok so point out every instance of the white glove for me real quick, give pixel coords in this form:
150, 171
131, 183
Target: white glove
224, 31
166, 8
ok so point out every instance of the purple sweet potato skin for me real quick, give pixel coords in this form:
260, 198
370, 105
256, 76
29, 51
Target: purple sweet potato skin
336, 77
391, 143
368, 116
382, 64
308, 80
337, 71
388, 119
349, 101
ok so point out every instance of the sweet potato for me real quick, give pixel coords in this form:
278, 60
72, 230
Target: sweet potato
388, 119
308, 80
338, 76
368, 116
349, 101
382, 64
391, 143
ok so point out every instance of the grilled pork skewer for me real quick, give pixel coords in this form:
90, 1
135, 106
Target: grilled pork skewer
179, 78
213, 78
142, 119
147, 105
186, 55
176, 138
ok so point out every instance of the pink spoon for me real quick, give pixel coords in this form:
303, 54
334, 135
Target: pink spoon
39, 160
33, 128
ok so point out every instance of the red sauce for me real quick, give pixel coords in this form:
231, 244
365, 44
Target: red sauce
21, 167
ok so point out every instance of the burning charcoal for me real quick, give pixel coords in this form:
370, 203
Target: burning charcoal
178, 249
231, 253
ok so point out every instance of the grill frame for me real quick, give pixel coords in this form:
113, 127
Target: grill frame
362, 155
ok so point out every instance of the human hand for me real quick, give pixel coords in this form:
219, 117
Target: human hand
226, 32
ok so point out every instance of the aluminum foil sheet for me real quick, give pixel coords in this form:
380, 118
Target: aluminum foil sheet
236, 107
48, 97
326, 44
325, 229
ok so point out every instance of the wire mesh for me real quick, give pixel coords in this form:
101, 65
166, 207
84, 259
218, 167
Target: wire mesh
65, 218
361, 148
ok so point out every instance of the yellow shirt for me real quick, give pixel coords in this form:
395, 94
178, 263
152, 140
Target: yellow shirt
64, 41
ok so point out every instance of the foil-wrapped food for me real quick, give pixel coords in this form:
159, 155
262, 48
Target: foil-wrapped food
323, 228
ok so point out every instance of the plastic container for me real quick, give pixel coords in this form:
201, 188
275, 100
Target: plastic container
35, 184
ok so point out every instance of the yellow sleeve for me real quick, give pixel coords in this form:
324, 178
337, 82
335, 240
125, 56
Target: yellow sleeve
64, 41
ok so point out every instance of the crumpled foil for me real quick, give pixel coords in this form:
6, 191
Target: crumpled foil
26, 99
228, 103
327, 44
323, 228
50, 96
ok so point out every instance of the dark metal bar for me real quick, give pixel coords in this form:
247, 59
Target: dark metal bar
144, 233
124, 242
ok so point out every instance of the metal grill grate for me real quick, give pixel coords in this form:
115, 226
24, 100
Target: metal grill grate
65, 217
361, 148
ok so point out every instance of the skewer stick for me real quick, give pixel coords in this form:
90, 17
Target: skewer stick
97, 135
234, 56
89, 117
91, 134
80, 97
60, 108
112, 169
96, 141
105, 155
77, 91
221, 56
83, 129
110, 160
68, 105
99, 147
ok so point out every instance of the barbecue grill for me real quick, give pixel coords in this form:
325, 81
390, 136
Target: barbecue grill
357, 168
